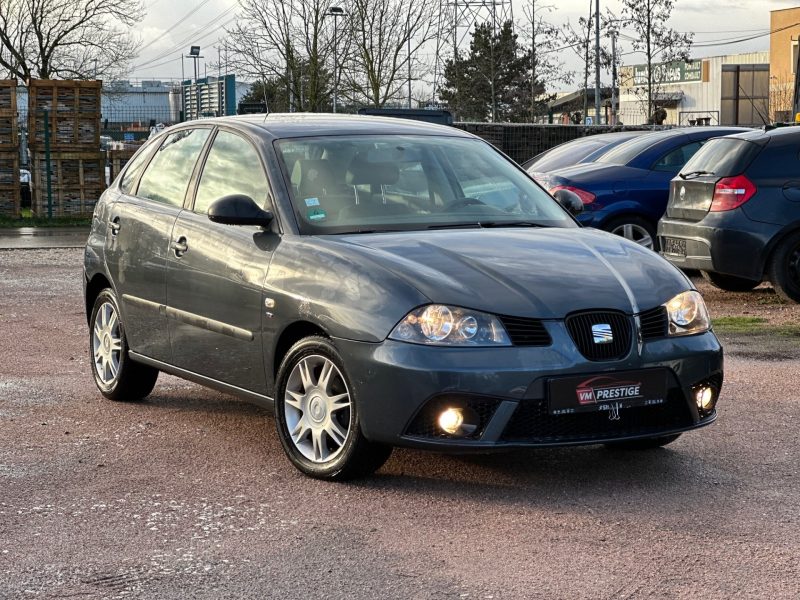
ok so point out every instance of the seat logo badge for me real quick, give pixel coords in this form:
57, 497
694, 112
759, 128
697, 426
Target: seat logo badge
601, 333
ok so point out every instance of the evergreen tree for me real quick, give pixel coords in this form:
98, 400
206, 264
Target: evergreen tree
493, 82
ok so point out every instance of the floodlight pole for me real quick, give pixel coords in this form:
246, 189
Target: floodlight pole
335, 12
194, 53
597, 62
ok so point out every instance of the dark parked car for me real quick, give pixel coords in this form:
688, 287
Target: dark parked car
386, 283
625, 190
734, 212
574, 152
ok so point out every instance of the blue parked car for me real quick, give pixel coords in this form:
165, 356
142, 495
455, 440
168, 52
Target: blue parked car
625, 191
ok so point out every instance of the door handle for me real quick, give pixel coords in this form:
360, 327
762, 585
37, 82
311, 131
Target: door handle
180, 247
114, 226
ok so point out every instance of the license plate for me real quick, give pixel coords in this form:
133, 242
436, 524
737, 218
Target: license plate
607, 391
675, 246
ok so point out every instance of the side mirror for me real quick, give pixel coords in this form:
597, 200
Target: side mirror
570, 201
238, 210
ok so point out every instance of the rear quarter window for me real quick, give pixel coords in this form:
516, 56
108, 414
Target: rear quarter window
723, 157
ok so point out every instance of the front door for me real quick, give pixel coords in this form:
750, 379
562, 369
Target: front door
216, 275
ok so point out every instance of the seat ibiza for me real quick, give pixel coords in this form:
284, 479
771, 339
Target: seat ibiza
382, 283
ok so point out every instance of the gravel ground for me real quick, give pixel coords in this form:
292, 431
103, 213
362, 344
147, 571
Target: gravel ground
188, 495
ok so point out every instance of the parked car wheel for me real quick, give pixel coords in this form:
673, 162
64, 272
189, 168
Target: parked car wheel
634, 229
729, 283
784, 268
116, 375
644, 444
317, 415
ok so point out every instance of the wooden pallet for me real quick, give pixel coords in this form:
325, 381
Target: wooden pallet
9, 184
8, 95
73, 109
77, 181
118, 160
9, 139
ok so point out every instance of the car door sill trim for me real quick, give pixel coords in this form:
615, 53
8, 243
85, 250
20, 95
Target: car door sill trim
242, 393
210, 324
142, 303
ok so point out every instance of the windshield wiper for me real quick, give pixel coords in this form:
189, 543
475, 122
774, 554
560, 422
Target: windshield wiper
489, 224
455, 226
695, 174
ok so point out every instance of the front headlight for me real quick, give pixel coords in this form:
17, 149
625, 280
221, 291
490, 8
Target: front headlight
440, 325
687, 314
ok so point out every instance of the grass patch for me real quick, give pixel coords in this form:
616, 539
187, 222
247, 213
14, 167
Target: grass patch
753, 326
28, 220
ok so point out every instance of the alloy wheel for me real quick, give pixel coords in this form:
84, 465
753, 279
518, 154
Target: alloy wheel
635, 233
317, 408
106, 343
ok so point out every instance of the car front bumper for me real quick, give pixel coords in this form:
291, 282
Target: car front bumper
401, 388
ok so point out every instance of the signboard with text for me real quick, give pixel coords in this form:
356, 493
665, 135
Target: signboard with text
671, 72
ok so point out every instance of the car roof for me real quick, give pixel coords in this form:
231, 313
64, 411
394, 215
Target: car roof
293, 125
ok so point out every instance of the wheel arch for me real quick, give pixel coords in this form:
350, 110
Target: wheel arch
291, 334
774, 243
94, 286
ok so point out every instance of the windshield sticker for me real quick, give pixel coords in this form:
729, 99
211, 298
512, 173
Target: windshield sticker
312, 201
317, 214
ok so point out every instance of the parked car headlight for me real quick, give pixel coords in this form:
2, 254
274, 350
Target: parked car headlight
440, 325
687, 314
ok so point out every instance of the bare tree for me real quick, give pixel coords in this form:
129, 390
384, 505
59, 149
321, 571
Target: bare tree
387, 36
288, 41
78, 39
660, 44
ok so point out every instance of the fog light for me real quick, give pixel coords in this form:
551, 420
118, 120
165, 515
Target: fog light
704, 396
451, 420
458, 421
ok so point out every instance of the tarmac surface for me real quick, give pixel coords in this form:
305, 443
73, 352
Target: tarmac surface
26, 238
188, 494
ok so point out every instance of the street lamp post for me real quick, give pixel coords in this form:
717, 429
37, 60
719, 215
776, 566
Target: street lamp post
335, 12
194, 53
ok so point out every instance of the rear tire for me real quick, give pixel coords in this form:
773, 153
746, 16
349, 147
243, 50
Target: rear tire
784, 268
116, 375
635, 229
729, 283
317, 415
644, 444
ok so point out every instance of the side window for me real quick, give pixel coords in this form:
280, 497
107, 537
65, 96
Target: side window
134, 169
232, 167
168, 174
673, 160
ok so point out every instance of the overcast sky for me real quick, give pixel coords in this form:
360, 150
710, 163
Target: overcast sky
171, 26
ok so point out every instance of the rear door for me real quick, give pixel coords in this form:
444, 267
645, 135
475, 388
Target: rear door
216, 272
141, 220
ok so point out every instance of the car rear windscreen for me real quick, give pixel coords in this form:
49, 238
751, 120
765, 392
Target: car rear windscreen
566, 155
722, 157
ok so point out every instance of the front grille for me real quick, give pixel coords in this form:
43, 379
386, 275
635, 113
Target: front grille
533, 423
655, 323
580, 325
526, 332
425, 424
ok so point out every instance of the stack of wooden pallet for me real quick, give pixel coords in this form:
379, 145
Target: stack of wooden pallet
9, 150
77, 165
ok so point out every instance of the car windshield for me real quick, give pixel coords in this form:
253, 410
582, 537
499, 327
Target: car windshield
404, 182
722, 157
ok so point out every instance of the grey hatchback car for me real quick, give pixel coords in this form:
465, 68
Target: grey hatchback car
381, 283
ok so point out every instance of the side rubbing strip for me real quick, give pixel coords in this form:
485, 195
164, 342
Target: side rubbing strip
142, 303
210, 324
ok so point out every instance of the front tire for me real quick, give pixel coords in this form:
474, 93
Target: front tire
729, 283
784, 268
116, 375
644, 444
317, 415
